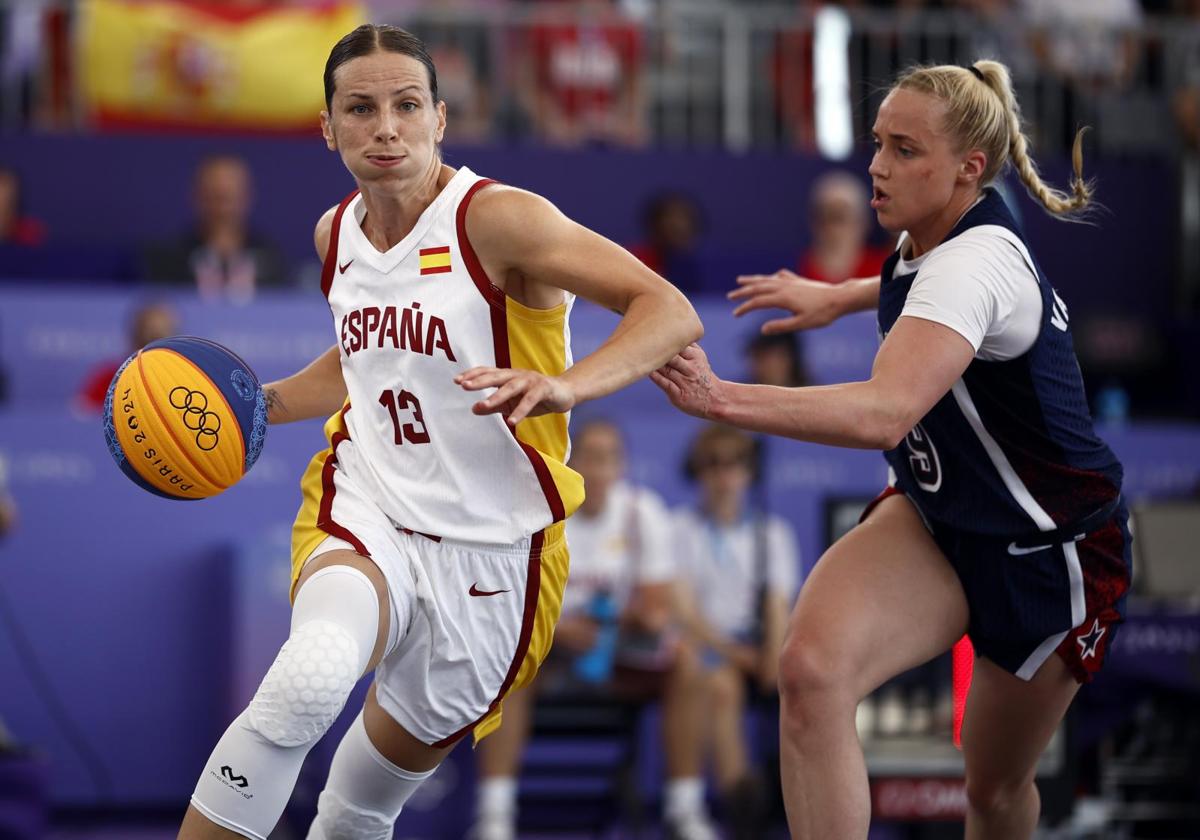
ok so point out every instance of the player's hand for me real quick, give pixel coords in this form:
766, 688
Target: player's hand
812, 304
689, 382
519, 393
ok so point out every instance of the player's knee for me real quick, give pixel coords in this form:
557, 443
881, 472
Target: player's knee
811, 679
307, 685
994, 795
342, 820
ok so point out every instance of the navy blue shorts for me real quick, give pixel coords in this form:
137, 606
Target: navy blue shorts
1028, 602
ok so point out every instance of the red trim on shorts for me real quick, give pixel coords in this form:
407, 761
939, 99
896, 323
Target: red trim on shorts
874, 503
325, 516
533, 582
1106, 580
410, 532
497, 300
330, 262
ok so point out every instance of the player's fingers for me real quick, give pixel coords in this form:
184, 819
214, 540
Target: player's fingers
487, 378
766, 300
668, 387
678, 365
784, 325
471, 372
744, 279
532, 397
509, 391
754, 285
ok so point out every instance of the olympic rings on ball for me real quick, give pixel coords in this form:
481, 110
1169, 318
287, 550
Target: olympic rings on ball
196, 416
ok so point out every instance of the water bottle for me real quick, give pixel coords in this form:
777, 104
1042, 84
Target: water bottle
595, 666
1112, 405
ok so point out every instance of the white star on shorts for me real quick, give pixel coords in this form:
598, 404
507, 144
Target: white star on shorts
1088, 643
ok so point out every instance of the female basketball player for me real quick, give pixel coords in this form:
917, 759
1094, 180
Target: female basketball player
429, 542
1004, 515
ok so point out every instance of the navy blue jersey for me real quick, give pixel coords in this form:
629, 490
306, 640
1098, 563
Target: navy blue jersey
1011, 448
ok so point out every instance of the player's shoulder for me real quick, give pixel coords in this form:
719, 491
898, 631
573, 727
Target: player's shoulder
989, 242
324, 230
505, 211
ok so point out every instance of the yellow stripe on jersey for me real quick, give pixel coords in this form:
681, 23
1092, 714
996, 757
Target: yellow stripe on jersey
537, 340
306, 534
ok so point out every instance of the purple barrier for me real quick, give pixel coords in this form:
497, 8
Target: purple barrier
125, 190
168, 613
51, 339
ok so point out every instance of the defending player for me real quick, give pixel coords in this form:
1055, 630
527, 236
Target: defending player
1004, 515
430, 541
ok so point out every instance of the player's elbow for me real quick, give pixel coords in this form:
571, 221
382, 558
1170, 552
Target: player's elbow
890, 424
685, 319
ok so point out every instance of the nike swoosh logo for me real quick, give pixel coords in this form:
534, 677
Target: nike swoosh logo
1017, 552
342, 268
483, 593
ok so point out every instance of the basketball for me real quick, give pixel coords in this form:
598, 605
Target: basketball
185, 418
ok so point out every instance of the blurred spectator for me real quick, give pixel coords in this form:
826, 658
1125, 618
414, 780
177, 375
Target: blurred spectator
1091, 43
8, 508
777, 359
15, 227
581, 79
998, 31
738, 568
221, 257
615, 636
672, 224
458, 43
1184, 71
149, 322
840, 220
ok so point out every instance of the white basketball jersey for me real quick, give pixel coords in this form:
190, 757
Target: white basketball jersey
407, 322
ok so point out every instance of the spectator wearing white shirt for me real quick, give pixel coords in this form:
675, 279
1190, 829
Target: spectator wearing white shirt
621, 557
738, 568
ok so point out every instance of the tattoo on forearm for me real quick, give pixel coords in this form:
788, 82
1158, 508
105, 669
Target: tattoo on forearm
274, 402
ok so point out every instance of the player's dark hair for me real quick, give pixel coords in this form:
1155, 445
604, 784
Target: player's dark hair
372, 38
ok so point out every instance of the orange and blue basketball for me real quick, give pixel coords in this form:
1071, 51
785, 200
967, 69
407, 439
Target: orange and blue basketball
185, 418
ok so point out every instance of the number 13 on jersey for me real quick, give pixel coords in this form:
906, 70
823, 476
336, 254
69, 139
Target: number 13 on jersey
398, 401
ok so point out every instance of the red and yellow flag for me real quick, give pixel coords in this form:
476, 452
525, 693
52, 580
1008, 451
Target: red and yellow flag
189, 64
434, 260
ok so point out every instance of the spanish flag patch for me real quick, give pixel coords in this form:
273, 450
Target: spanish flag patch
434, 260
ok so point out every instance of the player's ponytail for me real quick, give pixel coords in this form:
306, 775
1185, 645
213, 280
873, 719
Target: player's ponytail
1060, 203
982, 113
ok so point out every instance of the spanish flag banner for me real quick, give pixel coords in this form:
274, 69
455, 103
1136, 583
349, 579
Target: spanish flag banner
434, 260
196, 65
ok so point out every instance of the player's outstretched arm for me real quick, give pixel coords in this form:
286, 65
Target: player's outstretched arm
917, 364
518, 233
812, 304
316, 391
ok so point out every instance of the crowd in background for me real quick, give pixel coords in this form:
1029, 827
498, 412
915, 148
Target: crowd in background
639, 72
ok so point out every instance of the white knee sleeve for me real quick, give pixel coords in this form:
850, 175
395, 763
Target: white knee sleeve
252, 771
365, 792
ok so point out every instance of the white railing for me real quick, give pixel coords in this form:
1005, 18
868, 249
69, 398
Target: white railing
697, 73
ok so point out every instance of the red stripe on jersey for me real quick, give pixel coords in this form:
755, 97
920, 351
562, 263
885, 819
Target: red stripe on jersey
483, 283
328, 489
331, 252
497, 300
533, 585
437, 269
429, 252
